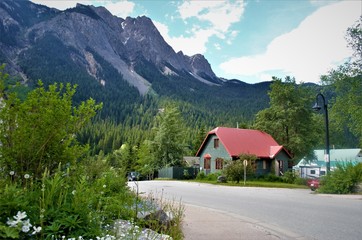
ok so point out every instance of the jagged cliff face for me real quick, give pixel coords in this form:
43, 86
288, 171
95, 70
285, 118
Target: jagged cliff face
89, 30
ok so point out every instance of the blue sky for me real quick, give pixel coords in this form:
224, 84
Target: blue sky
249, 40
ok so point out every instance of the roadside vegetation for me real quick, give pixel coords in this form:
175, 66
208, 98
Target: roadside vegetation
64, 176
347, 178
51, 188
289, 180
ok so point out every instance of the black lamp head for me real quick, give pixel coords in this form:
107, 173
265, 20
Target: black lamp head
316, 107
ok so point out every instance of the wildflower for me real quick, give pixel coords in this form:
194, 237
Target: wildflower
25, 229
12, 173
27, 223
36, 230
20, 216
73, 192
26, 176
104, 186
12, 223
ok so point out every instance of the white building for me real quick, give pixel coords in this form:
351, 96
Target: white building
316, 167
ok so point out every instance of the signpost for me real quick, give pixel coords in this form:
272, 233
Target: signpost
245, 163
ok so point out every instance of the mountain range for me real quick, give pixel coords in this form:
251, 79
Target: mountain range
117, 61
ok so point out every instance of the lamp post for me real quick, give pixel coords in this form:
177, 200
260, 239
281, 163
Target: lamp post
317, 107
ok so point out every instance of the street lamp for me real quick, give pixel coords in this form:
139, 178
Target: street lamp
317, 107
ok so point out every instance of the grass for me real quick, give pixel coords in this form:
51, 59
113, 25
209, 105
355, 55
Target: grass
253, 184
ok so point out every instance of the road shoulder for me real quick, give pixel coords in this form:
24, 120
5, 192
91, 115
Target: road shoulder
207, 224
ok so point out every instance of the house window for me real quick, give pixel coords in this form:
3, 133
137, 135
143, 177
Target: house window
216, 143
264, 164
312, 171
207, 163
219, 163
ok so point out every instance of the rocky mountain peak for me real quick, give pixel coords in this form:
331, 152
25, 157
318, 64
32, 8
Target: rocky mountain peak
93, 30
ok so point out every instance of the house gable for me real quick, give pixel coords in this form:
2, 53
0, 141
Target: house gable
209, 150
229, 143
245, 141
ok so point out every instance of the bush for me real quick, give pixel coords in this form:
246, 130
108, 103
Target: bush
289, 177
212, 176
342, 180
271, 178
301, 181
67, 203
201, 175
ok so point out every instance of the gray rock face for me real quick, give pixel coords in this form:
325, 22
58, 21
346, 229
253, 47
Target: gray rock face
121, 42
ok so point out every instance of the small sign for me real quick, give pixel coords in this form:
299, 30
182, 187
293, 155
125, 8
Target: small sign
245, 163
326, 157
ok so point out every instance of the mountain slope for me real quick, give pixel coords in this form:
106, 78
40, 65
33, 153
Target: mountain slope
116, 61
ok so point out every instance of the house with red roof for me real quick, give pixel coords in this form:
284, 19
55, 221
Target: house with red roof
223, 144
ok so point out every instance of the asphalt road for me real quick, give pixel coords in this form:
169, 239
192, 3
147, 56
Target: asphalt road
293, 213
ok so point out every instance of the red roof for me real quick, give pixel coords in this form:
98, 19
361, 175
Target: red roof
247, 141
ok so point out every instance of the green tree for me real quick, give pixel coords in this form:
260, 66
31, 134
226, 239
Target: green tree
168, 145
146, 164
289, 118
39, 132
199, 137
346, 82
234, 170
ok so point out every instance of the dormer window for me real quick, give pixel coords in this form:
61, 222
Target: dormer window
216, 143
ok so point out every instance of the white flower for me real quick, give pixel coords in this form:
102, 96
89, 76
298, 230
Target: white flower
36, 230
104, 186
12, 173
20, 216
26, 176
73, 192
12, 223
27, 223
25, 229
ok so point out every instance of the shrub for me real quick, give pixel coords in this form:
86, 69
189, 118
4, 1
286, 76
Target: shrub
212, 176
289, 177
201, 175
342, 180
272, 178
301, 181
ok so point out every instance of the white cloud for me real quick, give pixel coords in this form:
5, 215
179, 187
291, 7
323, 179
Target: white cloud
188, 45
121, 9
316, 46
219, 16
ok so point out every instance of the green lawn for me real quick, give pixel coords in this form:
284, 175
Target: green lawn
253, 184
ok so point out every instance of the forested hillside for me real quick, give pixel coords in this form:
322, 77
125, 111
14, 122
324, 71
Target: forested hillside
126, 65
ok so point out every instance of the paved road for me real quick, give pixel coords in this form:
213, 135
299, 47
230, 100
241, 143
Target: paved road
291, 213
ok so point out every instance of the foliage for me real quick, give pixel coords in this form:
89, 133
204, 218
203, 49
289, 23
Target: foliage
48, 121
201, 175
168, 145
43, 172
342, 180
70, 202
145, 164
290, 177
345, 81
289, 118
234, 170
